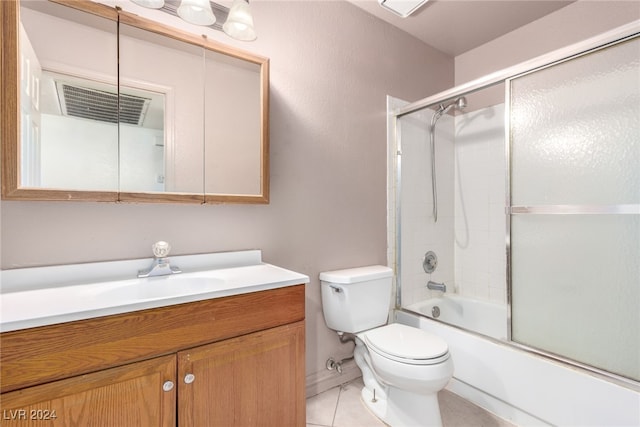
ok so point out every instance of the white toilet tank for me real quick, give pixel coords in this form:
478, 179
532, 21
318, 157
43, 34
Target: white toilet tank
356, 299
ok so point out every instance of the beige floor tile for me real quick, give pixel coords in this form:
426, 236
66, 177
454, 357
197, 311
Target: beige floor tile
352, 411
343, 407
321, 408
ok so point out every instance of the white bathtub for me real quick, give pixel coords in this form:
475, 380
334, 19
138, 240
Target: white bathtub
483, 317
526, 388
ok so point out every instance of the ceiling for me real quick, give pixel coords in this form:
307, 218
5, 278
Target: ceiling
456, 26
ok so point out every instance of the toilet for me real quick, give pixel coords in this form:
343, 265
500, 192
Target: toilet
403, 368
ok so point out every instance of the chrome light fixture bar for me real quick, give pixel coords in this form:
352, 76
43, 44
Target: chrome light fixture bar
236, 22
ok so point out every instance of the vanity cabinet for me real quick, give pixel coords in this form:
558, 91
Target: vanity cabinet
130, 395
232, 361
246, 381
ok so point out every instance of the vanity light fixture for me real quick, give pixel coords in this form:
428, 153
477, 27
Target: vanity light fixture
197, 12
239, 24
238, 21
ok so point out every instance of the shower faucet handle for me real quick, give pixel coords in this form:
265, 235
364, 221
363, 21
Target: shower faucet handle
430, 262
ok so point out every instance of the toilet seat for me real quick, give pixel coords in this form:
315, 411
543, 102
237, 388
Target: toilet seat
407, 345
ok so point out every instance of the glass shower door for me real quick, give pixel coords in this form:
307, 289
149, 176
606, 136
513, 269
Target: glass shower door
575, 209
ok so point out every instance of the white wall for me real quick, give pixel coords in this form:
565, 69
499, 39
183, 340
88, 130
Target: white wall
142, 159
90, 158
332, 66
85, 158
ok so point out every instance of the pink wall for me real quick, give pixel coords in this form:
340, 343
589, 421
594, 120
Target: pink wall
332, 66
571, 24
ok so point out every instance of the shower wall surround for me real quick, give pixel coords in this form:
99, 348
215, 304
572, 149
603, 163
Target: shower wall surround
480, 219
419, 233
469, 236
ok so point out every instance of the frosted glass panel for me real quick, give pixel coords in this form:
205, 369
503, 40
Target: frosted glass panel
575, 130
575, 140
576, 288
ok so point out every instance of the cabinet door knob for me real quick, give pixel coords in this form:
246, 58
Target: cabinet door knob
189, 378
167, 386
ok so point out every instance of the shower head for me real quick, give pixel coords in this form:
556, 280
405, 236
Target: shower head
458, 103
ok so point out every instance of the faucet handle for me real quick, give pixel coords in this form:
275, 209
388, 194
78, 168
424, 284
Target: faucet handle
161, 249
430, 262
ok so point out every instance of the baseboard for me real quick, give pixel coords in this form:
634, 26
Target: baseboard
326, 379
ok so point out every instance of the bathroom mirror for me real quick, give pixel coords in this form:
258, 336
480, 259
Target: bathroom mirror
182, 119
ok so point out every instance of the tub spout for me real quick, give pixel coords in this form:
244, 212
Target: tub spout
435, 286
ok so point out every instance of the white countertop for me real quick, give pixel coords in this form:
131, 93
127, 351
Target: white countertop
49, 295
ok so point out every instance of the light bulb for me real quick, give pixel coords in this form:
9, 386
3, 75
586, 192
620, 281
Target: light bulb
239, 23
196, 12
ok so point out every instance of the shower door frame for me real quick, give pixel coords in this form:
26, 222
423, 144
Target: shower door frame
590, 45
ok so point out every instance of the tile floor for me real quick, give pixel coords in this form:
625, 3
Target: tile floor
342, 407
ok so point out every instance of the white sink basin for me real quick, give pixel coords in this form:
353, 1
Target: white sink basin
63, 302
157, 288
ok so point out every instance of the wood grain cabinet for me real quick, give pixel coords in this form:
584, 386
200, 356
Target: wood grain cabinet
253, 380
130, 395
207, 377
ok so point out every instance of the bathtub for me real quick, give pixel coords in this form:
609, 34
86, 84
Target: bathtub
483, 317
525, 388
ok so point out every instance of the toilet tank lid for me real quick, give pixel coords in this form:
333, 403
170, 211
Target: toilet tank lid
355, 275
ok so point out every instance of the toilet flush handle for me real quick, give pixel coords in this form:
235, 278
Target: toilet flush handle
335, 288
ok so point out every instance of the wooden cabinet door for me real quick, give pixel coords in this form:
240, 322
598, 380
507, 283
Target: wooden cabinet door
130, 395
253, 380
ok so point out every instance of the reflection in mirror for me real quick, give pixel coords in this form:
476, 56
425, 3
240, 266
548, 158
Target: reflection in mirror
142, 141
185, 120
232, 126
67, 56
165, 152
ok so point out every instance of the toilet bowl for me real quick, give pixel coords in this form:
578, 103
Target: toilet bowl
403, 368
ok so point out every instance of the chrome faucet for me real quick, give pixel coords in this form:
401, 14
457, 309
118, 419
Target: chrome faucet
160, 265
435, 286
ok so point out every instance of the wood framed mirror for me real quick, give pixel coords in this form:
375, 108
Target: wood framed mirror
99, 104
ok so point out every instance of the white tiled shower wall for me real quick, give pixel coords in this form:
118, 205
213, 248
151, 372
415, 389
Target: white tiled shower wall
469, 236
480, 196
